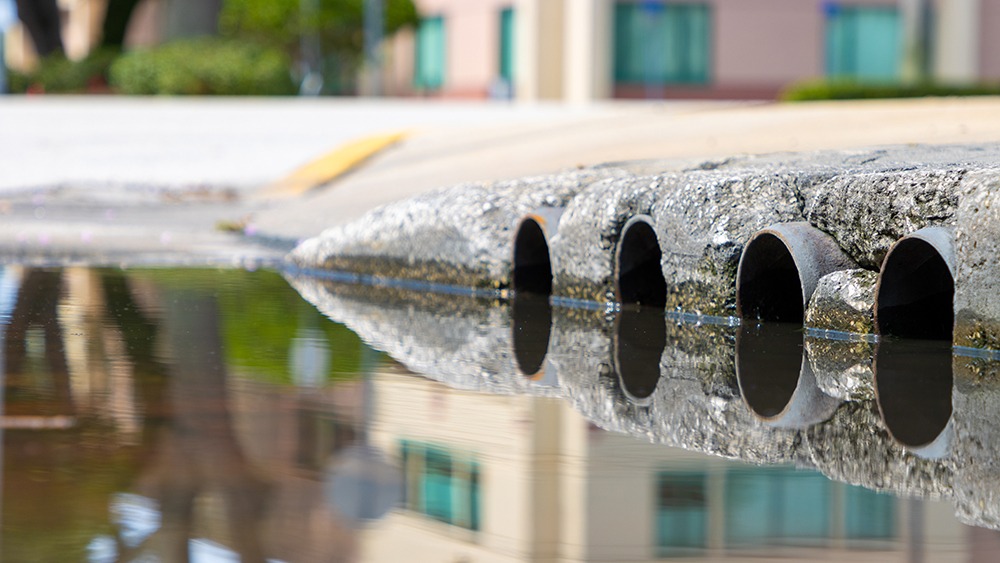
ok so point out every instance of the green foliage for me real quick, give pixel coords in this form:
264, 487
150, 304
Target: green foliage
204, 66
58, 75
853, 90
339, 24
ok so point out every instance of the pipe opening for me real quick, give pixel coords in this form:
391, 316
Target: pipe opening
769, 288
913, 385
531, 324
639, 340
532, 265
915, 296
768, 365
640, 275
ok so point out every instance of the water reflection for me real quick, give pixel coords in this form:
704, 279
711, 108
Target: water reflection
913, 383
531, 327
640, 336
776, 377
191, 415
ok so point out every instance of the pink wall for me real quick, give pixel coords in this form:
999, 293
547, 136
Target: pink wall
989, 40
472, 30
766, 42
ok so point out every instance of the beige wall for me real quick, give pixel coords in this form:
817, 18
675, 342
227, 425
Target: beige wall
472, 42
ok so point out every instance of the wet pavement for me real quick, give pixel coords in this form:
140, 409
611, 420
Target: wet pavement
225, 414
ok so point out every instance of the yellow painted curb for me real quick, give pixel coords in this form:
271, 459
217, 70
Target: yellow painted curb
331, 165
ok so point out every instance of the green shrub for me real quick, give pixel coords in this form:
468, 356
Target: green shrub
204, 66
853, 90
58, 75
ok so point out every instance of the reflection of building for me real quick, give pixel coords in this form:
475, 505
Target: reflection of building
591, 49
514, 478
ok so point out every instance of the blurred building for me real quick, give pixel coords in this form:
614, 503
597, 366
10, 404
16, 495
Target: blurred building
518, 478
579, 50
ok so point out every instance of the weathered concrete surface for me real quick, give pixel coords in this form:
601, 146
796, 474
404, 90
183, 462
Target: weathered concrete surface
976, 440
843, 368
844, 301
464, 342
704, 212
977, 249
462, 235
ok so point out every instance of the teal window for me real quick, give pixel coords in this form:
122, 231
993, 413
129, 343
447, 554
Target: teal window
441, 485
662, 43
868, 515
681, 512
777, 507
863, 42
430, 52
507, 45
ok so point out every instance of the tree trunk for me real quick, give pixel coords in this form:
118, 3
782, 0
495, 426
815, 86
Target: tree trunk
116, 19
41, 17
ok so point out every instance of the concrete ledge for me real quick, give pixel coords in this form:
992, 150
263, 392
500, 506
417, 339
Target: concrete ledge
703, 214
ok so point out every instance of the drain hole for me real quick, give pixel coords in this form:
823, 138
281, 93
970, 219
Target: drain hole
532, 266
913, 383
532, 327
915, 293
640, 338
768, 365
640, 276
768, 287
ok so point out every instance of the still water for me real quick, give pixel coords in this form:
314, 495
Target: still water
221, 415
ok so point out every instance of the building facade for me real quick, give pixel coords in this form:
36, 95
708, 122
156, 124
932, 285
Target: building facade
580, 50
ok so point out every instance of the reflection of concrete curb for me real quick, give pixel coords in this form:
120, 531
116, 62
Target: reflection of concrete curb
330, 166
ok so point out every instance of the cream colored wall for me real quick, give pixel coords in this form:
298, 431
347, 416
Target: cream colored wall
472, 42
497, 431
956, 57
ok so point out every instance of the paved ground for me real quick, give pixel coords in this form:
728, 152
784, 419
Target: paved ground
132, 180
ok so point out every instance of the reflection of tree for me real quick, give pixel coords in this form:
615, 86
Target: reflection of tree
191, 448
37, 307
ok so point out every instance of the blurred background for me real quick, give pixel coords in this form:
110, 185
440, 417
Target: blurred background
568, 50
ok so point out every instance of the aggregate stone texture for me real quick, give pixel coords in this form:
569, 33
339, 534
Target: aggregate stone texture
843, 368
703, 214
976, 441
977, 247
844, 301
463, 342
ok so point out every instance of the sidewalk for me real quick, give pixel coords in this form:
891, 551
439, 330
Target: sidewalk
163, 179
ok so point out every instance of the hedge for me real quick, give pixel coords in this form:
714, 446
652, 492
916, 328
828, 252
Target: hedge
851, 90
203, 66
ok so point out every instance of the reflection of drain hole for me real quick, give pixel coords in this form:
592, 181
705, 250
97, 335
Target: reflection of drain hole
638, 344
768, 364
915, 293
640, 276
532, 326
769, 285
532, 266
913, 382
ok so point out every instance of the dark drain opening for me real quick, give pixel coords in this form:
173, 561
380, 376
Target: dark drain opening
532, 328
913, 385
640, 275
915, 297
768, 287
532, 265
639, 340
768, 365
